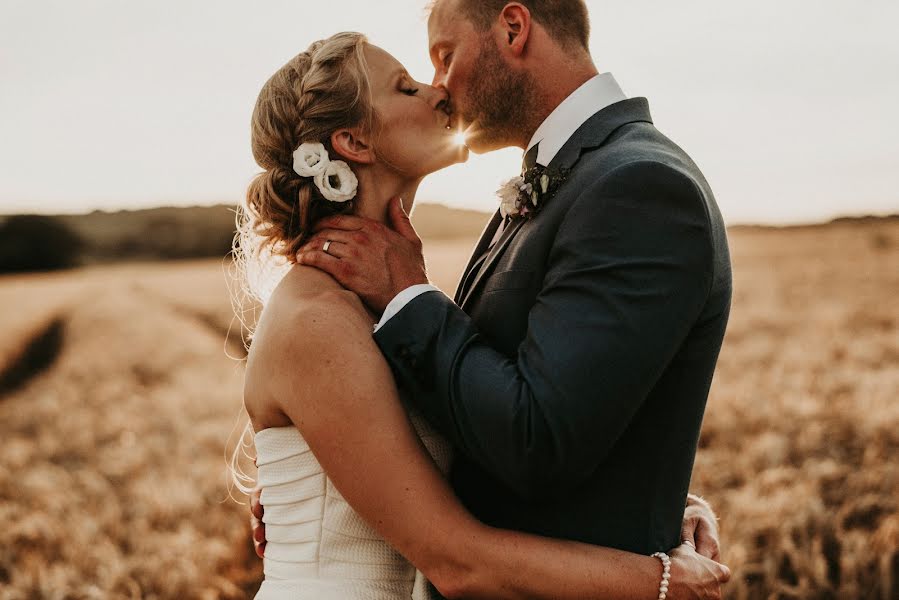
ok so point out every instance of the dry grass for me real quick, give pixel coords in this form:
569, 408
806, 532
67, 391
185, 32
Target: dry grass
113, 481
800, 445
112, 477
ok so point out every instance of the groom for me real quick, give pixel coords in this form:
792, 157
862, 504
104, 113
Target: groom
572, 369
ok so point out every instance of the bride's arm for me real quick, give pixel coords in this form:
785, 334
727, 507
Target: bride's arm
338, 390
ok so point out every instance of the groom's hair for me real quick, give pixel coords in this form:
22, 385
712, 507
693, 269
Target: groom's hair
567, 21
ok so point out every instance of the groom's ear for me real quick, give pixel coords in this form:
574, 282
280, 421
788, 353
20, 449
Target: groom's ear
352, 145
515, 25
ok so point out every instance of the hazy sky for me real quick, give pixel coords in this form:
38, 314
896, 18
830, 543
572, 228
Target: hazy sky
788, 106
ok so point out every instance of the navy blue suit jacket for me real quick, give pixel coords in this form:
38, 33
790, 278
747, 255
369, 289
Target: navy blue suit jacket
572, 372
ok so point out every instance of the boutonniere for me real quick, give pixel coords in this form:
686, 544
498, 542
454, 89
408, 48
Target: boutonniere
525, 196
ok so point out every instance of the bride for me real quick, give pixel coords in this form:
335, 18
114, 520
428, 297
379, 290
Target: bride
356, 504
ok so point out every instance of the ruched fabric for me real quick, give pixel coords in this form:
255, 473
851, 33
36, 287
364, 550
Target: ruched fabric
318, 547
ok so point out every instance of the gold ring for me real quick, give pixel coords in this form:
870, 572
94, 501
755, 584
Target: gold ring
326, 247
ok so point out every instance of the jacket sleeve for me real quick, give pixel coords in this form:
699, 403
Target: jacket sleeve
628, 275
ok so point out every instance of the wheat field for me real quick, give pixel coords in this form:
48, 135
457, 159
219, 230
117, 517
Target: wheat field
120, 389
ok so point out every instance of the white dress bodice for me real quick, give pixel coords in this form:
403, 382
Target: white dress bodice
318, 547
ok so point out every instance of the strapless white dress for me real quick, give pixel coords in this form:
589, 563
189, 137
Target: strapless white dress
318, 547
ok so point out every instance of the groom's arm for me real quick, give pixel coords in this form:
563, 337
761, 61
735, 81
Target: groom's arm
629, 272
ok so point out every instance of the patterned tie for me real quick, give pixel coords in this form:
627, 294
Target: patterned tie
530, 159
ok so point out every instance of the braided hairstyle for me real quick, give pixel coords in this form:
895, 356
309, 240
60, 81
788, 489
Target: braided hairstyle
317, 92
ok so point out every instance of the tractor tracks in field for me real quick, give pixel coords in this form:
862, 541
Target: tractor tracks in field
37, 353
33, 351
231, 333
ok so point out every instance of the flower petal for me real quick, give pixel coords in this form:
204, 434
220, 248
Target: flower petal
347, 183
310, 159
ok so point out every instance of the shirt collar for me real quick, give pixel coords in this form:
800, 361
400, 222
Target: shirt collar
594, 95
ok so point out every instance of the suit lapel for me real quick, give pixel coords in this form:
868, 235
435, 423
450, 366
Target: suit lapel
494, 255
597, 129
592, 134
480, 249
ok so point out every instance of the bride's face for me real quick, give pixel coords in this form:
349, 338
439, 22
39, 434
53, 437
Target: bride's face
412, 134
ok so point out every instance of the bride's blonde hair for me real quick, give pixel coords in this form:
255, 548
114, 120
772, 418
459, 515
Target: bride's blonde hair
317, 92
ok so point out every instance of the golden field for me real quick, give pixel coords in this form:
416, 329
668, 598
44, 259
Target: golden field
113, 479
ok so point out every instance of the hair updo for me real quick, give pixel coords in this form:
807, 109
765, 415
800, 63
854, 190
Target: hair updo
317, 92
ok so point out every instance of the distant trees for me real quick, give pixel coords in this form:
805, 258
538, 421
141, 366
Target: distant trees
37, 243
163, 233
42, 243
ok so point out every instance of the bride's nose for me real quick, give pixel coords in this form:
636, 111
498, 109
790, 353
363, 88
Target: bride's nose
437, 98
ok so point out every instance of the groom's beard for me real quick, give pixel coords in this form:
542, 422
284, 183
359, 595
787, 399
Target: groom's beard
498, 99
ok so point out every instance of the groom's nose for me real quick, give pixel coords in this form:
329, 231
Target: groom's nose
439, 80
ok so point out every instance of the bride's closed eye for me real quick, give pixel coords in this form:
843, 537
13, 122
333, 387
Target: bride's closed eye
406, 86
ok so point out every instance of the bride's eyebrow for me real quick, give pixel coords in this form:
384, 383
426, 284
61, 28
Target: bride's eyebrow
399, 74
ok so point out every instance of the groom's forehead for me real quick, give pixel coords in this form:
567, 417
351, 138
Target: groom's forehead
444, 21
442, 15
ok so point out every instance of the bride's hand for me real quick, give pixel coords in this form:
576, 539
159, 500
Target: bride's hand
695, 577
700, 526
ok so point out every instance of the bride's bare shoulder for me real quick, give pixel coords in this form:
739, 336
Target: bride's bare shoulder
308, 307
308, 321
307, 288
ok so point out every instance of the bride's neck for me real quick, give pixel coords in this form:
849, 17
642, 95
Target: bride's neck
377, 186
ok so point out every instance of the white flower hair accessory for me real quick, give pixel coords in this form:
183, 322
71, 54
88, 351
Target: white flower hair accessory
310, 159
337, 182
333, 178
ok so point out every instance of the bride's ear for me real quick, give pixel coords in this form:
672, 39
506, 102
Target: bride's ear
352, 146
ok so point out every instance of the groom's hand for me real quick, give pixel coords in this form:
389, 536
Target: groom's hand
369, 258
700, 528
256, 523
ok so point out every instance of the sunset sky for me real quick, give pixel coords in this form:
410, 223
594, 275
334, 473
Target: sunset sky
788, 106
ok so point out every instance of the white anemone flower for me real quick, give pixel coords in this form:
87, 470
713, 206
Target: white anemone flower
310, 159
337, 182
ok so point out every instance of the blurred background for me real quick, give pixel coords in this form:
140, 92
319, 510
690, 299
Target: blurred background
124, 150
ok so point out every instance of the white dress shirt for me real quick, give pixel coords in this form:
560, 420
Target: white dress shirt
594, 95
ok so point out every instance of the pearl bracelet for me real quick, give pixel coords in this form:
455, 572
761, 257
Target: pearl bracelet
666, 573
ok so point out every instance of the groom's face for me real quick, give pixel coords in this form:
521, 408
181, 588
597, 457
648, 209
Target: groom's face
485, 94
